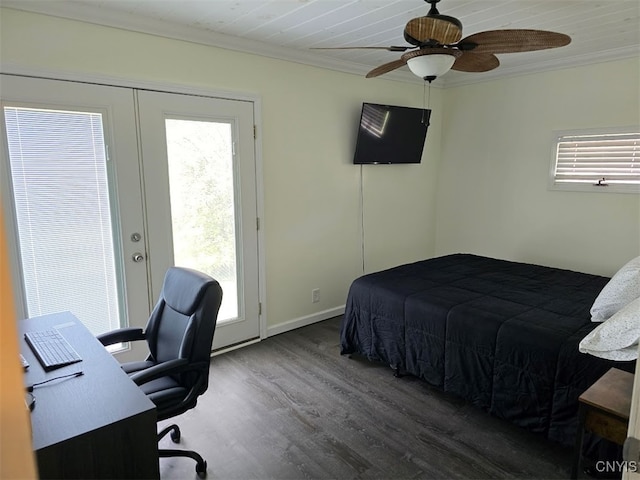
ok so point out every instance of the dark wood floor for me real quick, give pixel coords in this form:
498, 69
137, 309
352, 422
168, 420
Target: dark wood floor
291, 407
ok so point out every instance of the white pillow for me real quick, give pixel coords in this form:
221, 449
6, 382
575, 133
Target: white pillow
617, 338
623, 287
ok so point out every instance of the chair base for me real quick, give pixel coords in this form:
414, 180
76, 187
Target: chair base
201, 463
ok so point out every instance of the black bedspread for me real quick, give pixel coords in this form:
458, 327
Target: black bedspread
503, 335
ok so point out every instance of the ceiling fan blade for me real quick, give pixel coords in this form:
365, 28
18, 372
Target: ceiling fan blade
512, 41
386, 68
393, 48
471, 61
422, 29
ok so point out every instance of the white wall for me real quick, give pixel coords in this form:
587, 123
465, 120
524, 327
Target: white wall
394, 220
496, 153
309, 119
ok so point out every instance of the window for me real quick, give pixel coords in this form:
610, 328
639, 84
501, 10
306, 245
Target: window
597, 161
200, 158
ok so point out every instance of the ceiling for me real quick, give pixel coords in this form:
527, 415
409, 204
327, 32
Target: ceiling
601, 30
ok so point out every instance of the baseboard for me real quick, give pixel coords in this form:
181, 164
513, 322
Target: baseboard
304, 321
233, 347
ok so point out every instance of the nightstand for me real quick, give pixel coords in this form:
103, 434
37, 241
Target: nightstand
603, 409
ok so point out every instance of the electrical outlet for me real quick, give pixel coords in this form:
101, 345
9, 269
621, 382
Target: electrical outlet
315, 295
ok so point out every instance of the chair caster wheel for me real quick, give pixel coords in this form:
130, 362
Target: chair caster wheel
201, 469
175, 435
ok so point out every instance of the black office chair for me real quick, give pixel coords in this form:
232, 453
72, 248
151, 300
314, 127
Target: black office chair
179, 334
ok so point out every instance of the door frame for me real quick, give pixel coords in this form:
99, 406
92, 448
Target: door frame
154, 109
255, 99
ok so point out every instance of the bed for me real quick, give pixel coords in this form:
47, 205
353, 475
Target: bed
502, 335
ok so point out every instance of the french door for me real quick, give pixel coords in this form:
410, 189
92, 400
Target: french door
201, 151
96, 187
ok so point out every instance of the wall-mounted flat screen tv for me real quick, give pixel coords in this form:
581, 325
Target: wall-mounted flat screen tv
391, 134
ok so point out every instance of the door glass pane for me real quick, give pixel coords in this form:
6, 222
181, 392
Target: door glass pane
60, 186
201, 184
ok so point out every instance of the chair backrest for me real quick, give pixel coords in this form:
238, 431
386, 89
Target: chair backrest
183, 322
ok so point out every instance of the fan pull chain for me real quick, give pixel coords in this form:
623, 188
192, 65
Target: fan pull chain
426, 104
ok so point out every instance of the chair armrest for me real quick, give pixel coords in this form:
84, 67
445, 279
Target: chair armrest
170, 367
121, 335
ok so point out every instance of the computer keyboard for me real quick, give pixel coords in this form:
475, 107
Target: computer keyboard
51, 348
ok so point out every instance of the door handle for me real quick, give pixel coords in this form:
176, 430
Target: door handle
137, 257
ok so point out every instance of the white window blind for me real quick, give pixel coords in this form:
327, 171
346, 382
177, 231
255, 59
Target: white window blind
602, 161
61, 200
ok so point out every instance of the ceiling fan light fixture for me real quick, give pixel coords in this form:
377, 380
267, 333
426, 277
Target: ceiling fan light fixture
428, 66
438, 46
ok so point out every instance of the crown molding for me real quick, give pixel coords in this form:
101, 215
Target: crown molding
461, 79
81, 12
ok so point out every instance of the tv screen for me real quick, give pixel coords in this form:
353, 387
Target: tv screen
391, 134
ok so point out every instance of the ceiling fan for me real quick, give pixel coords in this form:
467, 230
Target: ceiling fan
437, 46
